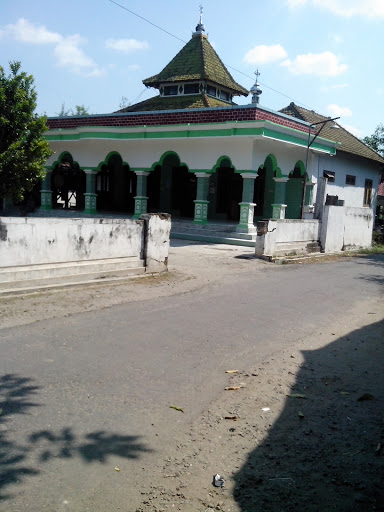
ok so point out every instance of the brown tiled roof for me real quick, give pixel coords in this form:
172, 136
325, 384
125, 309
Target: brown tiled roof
197, 60
348, 142
175, 103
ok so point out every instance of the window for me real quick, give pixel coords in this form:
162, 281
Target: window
350, 180
224, 95
170, 90
330, 175
211, 90
367, 193
191, 89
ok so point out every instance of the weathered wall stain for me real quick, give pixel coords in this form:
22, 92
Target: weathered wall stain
3, 232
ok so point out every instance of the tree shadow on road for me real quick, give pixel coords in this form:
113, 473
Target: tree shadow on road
18, 395
325, 452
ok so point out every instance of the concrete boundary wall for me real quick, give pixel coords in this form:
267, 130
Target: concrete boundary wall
286, 236
48, 250
341, 228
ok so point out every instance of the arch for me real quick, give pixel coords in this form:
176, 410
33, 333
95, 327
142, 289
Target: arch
300, 167
223, 160
63, 157
295, 191
167, 156
270, 171
115, 184
228, 186
108, 157
171, 186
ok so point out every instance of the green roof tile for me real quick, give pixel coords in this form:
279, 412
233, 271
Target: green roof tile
197, 60
175, 102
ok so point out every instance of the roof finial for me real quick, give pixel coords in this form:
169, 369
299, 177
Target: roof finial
200, 29
255, 89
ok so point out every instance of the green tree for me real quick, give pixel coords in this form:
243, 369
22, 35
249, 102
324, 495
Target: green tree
376, 140
79, 110
23, 148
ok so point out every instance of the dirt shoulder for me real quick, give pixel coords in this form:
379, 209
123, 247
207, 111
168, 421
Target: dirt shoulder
303, 431
191, 266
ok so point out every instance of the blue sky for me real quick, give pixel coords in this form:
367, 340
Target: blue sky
325, 55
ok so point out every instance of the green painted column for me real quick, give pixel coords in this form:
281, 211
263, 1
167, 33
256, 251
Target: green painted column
279, 206
247, 206
90, 196
141, 199
46, 192
201, 202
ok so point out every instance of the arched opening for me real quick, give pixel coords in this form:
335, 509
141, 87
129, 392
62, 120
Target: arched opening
115, 185
68, 184
228, 192
294, 192
270, 171
171, 187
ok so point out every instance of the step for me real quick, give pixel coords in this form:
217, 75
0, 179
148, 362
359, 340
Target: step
181, 227
43, 271
212, 239
286, 248
69, 279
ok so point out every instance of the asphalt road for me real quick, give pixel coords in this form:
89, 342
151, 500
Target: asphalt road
85, 394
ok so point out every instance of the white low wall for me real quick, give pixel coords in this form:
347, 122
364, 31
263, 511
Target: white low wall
39, 252
346, 228
358, 227
34, 240
342, 228
286, 236
289, 230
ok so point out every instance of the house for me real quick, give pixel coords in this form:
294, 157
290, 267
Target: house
192, 152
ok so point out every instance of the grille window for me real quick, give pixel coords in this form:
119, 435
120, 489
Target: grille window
350, 180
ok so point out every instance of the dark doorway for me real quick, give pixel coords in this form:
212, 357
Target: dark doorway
183, 191
115, 186
229, 191
68, 185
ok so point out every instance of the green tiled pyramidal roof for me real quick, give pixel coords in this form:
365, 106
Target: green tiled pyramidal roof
197, 60
348, 142
175, 103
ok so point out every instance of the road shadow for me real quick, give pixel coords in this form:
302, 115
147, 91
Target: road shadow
326, 450
21, 458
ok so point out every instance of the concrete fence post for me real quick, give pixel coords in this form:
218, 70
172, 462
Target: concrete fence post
157, 227
266, 238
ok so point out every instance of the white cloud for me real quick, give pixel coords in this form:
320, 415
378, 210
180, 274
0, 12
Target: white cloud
126, 45
66, 49
26, 32
346, 8
263, 54
70, 55
335, 110
320, 64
